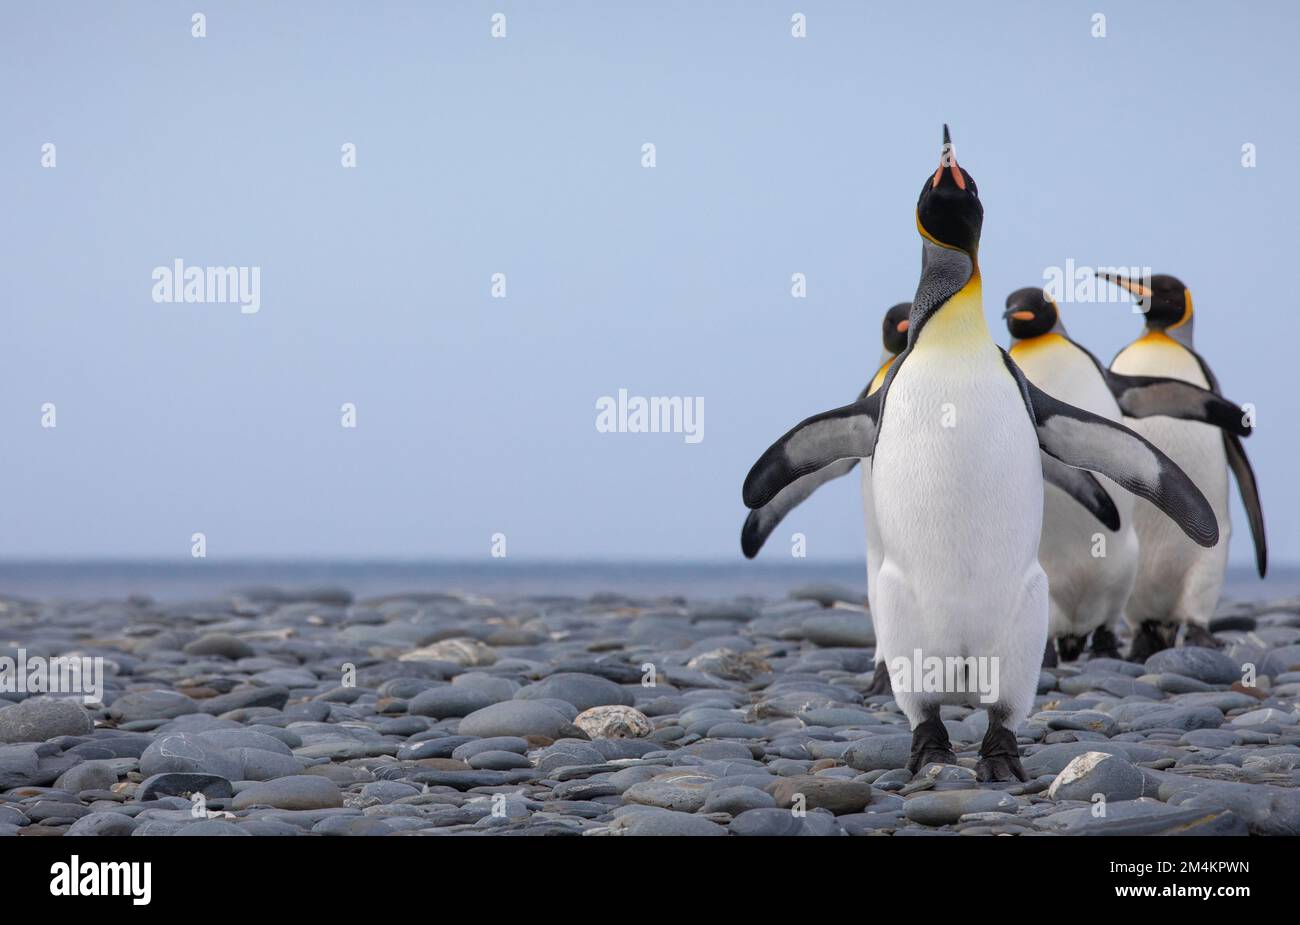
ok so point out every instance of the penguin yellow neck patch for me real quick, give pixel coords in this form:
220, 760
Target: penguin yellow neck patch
879, 379
1032, 344
959, 322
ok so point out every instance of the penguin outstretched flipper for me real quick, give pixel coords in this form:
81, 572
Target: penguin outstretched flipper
1084, 488
1145, 396
1088, 441
1240, 466
761, 522
822, 439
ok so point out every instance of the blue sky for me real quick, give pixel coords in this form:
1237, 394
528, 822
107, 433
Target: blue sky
522, 155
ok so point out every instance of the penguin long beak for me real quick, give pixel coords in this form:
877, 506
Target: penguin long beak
1138, 289
948, 158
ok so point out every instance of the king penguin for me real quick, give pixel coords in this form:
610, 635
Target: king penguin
1090, 573
954, 435
1178, 583
1087, 495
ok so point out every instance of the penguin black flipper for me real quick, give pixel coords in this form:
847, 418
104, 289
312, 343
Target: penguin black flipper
1240, 466
1089, 441
1083, 487
761, 522
1147, 396
822, 439
1245, 476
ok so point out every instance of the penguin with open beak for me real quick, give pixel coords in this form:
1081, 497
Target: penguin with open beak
1178, 582
1091, 569
955, 435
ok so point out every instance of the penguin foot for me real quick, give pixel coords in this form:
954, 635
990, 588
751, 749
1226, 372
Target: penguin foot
1000, 756
880, 683
1103, 643
1197, 635
930, 744
1148, 640
1049, 654
1070, 647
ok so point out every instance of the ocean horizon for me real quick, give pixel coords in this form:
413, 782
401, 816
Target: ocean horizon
192, 579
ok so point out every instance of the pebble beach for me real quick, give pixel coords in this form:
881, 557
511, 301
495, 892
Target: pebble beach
266, 712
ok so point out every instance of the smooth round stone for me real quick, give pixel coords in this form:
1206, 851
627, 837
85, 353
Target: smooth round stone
1181, 718
782, 822
1095, 773
273, 697
1280, 661
442, 747
38, 719
464, 651
1080, 720
681, 791
1208, 665
518, 718
159, 704
1211, 738
495, 743
1117, 685
450, 701
949, 806
189, 753
733, 730
220, 645
879, 752
1265, 715
403, 726
666, 823
109, 824
1116, 812
89, 775
583, 691
179, 784
1178, 683
614, 722
297, 792
837, 796
736, 800
834, 630
498, 761
1115, 666
386, 791
838, 716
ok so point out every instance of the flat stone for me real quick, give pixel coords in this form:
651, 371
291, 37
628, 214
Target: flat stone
948, 806
1094, 773
1208, 665
583, 691
518, 718
838, 796
39, 719
297, 792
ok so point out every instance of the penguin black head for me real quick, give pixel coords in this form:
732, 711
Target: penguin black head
948, 210
895, 327
1165, 301
1030, 313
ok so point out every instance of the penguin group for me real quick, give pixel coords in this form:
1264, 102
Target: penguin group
1020, 503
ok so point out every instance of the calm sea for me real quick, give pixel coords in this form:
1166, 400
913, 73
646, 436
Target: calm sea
171, 581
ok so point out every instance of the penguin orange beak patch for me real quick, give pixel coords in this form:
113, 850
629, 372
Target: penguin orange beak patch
948, 159
1139, 290
1023, 316
903, 326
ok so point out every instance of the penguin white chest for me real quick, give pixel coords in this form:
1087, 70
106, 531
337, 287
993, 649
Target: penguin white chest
956, 478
